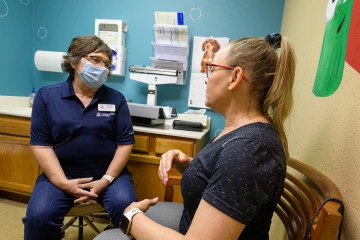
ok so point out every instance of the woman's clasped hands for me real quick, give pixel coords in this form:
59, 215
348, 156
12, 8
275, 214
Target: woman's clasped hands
85, 190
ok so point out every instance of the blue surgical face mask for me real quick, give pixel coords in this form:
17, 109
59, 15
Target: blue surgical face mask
93, 76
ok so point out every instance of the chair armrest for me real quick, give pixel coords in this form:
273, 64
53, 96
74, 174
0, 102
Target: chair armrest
169, 189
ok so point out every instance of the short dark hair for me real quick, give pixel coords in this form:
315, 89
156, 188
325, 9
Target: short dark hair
82, 46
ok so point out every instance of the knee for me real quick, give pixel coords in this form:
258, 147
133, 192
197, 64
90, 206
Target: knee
116, 205
42, 217
122, 199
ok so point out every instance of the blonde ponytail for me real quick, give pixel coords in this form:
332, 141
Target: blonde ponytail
278, 102
271, 77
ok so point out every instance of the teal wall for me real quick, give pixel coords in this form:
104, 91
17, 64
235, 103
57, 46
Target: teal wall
16, 47
65, 19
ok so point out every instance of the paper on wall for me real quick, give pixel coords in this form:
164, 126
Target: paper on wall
197, 89
171, 34
174, 18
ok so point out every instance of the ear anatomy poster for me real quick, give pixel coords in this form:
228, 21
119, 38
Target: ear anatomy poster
332, 58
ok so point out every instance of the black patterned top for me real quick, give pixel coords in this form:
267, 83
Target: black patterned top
242, 174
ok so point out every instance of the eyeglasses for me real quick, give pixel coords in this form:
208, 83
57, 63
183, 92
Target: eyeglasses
97, 61
210, 69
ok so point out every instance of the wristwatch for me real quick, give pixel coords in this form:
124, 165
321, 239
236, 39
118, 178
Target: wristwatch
108, 177
125, 222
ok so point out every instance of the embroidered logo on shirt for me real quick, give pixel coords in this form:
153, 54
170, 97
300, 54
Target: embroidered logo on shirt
102, 114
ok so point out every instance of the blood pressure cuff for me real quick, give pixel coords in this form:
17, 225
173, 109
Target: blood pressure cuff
187, 125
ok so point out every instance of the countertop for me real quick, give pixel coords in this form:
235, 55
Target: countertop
16, 111
165, 129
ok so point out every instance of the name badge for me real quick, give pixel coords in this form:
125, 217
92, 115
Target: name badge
106, 107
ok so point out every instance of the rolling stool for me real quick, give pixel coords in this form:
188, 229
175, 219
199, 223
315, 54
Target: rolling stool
84, 212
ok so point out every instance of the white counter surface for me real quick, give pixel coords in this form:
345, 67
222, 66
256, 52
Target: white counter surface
16, 111
162, 129
167, 129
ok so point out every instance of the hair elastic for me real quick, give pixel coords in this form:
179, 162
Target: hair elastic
274, 39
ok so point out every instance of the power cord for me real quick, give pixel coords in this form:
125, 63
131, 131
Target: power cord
322, 204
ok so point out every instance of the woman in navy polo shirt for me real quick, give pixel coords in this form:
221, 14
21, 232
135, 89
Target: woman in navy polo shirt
81, 136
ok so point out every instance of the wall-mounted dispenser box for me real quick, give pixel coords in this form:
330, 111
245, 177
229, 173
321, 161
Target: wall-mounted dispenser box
112, 32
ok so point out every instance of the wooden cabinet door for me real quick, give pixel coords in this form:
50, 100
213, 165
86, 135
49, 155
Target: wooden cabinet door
147, 183
18, 167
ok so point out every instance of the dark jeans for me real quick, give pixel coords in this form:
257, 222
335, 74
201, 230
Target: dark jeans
48, 206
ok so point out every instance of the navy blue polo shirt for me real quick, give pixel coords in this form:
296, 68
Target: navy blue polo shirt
84, 139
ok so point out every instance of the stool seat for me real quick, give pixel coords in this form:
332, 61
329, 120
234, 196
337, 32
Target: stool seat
84, 212
85, 209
